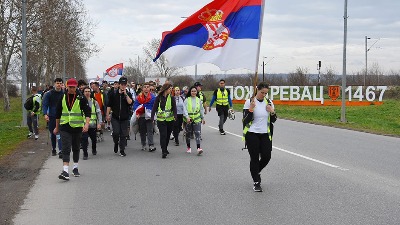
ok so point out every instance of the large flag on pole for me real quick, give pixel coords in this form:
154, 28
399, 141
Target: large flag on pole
224, 32
114, 72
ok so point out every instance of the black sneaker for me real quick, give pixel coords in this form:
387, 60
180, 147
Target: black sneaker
94, 152
75, 172
60, 155
109, 129
167, 152
53, 152
257, 187
115, 148
29, 135
122, 154
222, 132
176, 143
63, 176
85, 156
164, 155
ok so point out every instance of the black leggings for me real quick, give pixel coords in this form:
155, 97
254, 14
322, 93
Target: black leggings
259, 147
165, 128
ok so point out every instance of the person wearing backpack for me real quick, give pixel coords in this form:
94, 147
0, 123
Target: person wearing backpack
258, 118
32, 104
50, 100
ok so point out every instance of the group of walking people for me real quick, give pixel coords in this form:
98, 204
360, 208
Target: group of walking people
81, 112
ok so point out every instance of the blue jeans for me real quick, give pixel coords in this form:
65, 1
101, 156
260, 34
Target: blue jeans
52, 125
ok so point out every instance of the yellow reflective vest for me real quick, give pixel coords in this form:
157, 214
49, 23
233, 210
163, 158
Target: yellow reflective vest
222, 97
74, 117
167, 114
195, 114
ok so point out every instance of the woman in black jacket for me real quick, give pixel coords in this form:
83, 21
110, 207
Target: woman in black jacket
165, 108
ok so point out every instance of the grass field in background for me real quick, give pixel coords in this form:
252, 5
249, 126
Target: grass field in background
11, 134
383, 119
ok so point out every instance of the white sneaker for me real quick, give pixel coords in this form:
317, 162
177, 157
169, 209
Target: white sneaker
199, 151
189, 150
36, 137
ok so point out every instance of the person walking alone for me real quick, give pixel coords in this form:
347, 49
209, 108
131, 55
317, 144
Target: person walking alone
72, 118
223, 101
94, 125
258, 116
165, 108
120, 103
193, 112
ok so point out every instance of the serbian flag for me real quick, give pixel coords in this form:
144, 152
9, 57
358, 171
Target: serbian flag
224, 32
115, 70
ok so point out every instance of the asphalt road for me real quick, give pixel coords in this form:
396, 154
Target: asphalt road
317, 175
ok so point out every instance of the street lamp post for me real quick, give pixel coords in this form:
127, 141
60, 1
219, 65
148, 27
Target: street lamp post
366, 58
23, 69
265, 63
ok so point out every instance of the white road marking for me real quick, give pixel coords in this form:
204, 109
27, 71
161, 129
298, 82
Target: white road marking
293, 153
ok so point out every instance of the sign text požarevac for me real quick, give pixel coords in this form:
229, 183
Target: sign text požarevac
310, 93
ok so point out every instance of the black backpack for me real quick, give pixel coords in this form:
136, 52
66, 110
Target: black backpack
28, 105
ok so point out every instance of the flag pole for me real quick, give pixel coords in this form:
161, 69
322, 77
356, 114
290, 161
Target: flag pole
255, 81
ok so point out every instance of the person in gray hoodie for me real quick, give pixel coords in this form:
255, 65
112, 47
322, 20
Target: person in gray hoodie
177, 128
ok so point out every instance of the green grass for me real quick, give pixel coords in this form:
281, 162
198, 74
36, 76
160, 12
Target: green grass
11, 134
379, 119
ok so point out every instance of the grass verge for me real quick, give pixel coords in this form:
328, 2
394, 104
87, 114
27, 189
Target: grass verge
11, 133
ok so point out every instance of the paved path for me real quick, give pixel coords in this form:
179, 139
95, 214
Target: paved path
317, 175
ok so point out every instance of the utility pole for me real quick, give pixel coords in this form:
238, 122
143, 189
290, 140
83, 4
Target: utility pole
23, 69
343, 111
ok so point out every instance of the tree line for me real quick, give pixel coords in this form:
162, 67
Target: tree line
59, 34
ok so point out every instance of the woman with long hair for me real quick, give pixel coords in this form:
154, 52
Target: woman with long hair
193, 112
258, 116
165, 108
177, 128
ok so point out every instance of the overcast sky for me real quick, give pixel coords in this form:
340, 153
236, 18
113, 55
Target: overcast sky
296, 33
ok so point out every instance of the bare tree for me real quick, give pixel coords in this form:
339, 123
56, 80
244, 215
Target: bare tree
161, 64
299, 77
10, 28
329, 76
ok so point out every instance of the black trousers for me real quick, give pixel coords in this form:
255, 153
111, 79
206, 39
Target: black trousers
177, 128
165, 129
120, 132
70, 141
223, 115
259, 147
85, 140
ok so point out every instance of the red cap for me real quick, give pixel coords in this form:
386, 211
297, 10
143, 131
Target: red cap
72, 83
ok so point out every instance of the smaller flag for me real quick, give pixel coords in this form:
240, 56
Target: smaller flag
115, 70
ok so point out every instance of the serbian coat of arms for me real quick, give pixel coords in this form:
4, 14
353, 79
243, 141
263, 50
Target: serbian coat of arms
218, 33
